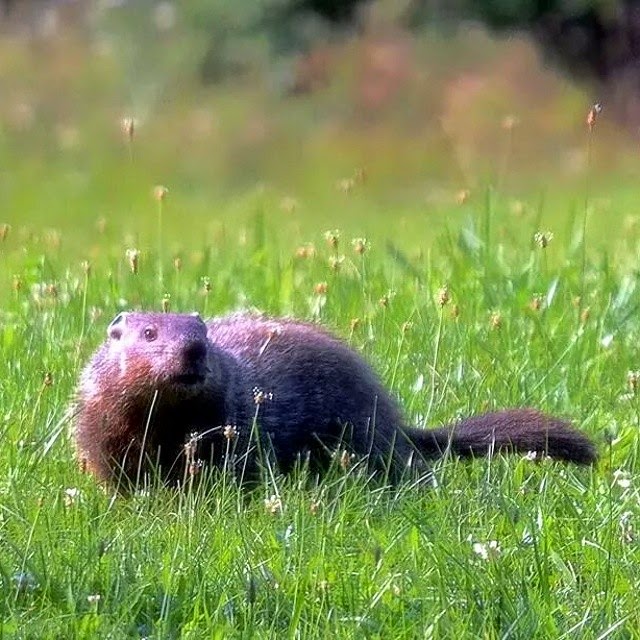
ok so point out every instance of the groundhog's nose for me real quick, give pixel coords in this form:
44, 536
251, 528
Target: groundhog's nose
194, 352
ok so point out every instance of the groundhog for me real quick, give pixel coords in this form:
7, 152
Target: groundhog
168, 393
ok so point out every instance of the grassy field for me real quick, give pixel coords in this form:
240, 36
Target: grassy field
543, 311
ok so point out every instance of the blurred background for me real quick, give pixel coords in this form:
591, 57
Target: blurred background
383, 117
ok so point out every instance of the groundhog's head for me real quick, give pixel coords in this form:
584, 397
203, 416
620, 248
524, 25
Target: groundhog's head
148, 352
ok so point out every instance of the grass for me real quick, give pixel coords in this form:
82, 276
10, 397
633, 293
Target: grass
341, 556
500, 548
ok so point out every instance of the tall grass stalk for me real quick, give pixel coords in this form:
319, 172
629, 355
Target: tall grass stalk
592, 117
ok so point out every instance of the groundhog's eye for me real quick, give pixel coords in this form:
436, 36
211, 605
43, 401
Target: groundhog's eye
150, 334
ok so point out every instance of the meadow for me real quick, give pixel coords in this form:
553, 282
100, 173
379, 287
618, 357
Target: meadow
489, 266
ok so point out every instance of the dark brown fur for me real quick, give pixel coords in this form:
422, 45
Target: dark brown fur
290, 390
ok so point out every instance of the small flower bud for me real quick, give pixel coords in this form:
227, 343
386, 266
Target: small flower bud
360, 245
462, 196
230, 432
128, 127
593, 114
335, 262
133, 256
273, 505
333, 238
443, 297
542, 239
633, 380
160, 192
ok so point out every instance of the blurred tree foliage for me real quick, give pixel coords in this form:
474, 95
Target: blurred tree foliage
597, 40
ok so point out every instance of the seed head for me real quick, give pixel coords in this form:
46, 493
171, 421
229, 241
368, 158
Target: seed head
346, 185
190, 447
133, 256
510, 122
307, 250
443, 296
633, 380
593, 114
335, 262
195, 467
346, 459
128, 126
86, 267
48, 379
289, 204
260, 396
4, 231
321, 288
230, 432
72, 495
536, 456
354, 324
542, 239
455, 311
536, 302
384, 301
206, 284
495, 320
177, 263
360, 175
360, 245
160, 192
273, 505
166, 302
16, 283
332, 237
462, 196
584, 316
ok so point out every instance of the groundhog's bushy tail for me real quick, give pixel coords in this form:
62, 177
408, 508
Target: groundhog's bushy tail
517, 430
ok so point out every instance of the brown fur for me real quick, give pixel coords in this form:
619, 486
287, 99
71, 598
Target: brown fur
289, 389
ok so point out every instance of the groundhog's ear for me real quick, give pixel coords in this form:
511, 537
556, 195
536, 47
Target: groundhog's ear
195, 314
114, 330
